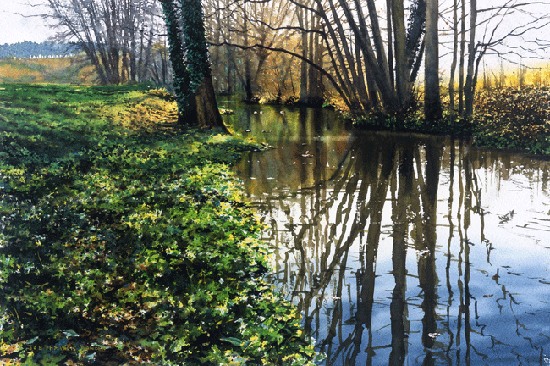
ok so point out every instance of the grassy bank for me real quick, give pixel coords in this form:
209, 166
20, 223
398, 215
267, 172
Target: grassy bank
124, 240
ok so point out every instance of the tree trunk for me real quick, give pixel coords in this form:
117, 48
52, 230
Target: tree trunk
402, 77
390, 43
315, 97
469, 87
432, 99
133, 42
206, 113
462, 57
177, 57
455, 59
303, 65
231, 66
247, 65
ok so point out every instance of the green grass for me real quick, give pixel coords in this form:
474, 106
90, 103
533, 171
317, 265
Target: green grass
125, 242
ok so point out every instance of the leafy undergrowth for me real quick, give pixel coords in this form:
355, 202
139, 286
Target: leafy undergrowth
129, 245
505, 118
514, 119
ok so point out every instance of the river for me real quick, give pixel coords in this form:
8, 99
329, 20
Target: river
402, 249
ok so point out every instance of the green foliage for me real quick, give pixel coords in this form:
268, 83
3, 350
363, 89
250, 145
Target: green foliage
128, 246
415, 122
514, 119
505, 118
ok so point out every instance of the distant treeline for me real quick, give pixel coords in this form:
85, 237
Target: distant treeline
29, 49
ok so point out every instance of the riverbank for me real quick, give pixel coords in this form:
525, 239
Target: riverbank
507, 118
127, 240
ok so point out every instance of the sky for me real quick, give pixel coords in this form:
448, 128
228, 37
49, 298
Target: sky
17, 26
14, 27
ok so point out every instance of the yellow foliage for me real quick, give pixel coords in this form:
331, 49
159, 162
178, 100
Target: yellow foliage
534, 75
10, 72
143, 110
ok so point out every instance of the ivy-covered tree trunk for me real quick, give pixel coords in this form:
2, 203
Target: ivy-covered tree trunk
207, 114
177, 58
189, 56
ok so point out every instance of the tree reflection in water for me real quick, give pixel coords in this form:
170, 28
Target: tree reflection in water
406, 250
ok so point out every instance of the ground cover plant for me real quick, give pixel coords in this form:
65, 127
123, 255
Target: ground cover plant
514, 118
505, 118
124, 240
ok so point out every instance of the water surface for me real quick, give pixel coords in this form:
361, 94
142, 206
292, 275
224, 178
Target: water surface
403, 250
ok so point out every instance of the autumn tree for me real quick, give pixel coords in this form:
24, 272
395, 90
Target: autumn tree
248, 31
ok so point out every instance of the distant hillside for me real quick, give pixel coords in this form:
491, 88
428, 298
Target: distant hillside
59, 70
33, 49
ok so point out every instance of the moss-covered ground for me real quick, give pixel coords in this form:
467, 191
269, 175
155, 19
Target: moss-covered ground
124, 240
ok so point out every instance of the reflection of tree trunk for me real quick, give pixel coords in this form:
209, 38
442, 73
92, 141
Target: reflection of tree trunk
426, 265
464, 253
449, 241
401, 200
349, 188
376, 202
466, 244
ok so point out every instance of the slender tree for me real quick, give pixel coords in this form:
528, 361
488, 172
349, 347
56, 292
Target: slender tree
469, 86
462, 57
432, 99
455, 60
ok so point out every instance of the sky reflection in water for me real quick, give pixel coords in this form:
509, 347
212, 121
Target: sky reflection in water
403, 250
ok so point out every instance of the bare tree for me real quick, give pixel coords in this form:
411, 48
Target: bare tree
116, 36
489, 31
